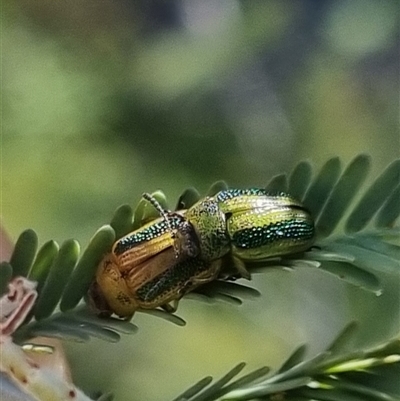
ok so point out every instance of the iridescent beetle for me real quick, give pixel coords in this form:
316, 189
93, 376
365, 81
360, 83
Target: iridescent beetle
174, 254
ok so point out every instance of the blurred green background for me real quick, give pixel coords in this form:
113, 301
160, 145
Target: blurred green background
104, 100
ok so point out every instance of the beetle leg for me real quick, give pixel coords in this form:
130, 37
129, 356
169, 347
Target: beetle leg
171, 307
210, 275
241, 267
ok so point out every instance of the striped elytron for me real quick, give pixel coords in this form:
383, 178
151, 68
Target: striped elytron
179, 251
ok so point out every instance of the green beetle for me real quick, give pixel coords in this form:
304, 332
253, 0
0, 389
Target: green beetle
174, 254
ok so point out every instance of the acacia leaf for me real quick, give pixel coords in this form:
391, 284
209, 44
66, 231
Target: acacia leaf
342, 194
390, 210
321, 187
57, 278
24, 252
122, 221
188, 198
42, 264
217, 187
86, 267
277, 184
299, 179
374, 198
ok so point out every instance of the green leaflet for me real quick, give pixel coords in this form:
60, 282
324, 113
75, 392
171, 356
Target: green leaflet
321, 187
342, 195
122, 221
262, 390
348, 387
254, 376
294, 359
64, 333
353, 275
390, 210
86, 267
24, 252
300, 179
332, 395
94, 330
79, 324
217, 187
367, 259
195, 389
302, 369
106, 397
230, 288
277, 184
218, 296
374, 198
85, 315
188, 198
81, 333
164, 315
343, 339
42, 264
215, 388
57, 278
374, 243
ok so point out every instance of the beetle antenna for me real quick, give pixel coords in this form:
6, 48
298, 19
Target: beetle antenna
164, 214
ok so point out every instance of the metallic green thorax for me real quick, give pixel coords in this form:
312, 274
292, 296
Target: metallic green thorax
209, 223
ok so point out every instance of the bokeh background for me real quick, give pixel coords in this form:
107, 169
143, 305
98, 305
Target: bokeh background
104, 100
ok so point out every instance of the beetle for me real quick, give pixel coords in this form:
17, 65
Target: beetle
168, 257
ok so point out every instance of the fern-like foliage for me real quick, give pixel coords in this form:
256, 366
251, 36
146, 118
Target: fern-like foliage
336, 374
63, 273
369, 241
